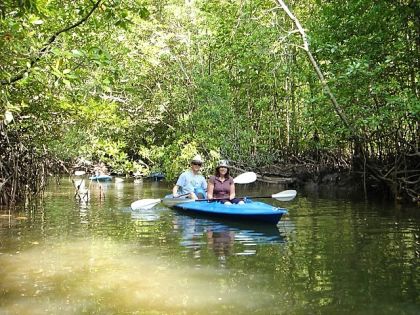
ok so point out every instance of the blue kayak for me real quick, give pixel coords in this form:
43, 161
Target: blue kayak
251, 210
101, 178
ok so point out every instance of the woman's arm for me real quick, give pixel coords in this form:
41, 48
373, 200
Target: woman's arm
210, 188
232, 191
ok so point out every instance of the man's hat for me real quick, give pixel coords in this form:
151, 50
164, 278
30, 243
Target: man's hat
197, 159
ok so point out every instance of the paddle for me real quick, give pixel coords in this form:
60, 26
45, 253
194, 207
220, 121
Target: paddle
285, 195
244, 178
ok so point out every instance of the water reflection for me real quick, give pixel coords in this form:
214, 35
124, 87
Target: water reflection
225, 238
221, 242
326, 257
144, 215
84, 212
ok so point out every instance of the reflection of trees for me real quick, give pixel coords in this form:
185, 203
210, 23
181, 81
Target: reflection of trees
352, 251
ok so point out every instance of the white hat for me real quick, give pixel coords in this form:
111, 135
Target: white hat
197, 159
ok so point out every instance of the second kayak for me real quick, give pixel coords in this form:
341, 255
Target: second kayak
101, 178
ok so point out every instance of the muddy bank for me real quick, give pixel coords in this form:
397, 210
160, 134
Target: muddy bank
302, 174
312, 178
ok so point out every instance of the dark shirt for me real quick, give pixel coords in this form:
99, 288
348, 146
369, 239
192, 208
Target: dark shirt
221, 189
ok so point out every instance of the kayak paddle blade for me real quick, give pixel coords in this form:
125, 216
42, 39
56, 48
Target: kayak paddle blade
245, 178
286, 195
144, 204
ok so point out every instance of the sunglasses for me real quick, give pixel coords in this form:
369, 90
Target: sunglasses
195, 163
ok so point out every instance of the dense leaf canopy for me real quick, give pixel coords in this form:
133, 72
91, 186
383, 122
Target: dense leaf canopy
142, 85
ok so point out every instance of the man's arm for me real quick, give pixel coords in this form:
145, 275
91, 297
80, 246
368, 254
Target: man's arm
175, 191
179, 184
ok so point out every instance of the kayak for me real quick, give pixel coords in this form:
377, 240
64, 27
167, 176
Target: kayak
156, 176
170, 201
250, 210
101, 178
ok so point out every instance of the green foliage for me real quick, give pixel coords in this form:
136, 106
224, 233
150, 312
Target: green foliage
69, 145
144, 85
368, 58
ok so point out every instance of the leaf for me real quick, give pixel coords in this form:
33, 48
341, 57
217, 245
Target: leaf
8, 117
143, 13
67, 82
33, 19
77, 53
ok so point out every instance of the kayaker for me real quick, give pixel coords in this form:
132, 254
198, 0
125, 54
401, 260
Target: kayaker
191, 183
222, 186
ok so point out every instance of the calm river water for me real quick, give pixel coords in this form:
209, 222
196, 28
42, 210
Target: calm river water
330, 255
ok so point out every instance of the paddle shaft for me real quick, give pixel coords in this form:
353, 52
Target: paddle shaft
244, 178
286, 195
219, 199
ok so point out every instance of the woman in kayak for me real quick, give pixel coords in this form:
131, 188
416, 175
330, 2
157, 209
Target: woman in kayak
191, 183
221, 185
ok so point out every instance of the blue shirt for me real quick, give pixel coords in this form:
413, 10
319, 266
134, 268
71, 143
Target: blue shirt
188, 182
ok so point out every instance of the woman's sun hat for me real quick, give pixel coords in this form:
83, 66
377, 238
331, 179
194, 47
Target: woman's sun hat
223, 163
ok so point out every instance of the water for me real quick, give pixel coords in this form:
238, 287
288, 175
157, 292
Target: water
330, 255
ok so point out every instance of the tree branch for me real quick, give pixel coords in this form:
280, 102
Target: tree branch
319, 73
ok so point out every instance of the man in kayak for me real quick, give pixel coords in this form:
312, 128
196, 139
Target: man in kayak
191, 182
222, 186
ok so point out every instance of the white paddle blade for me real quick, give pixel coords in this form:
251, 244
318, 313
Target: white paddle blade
286, 195
245, 178
144, 204
79, 173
